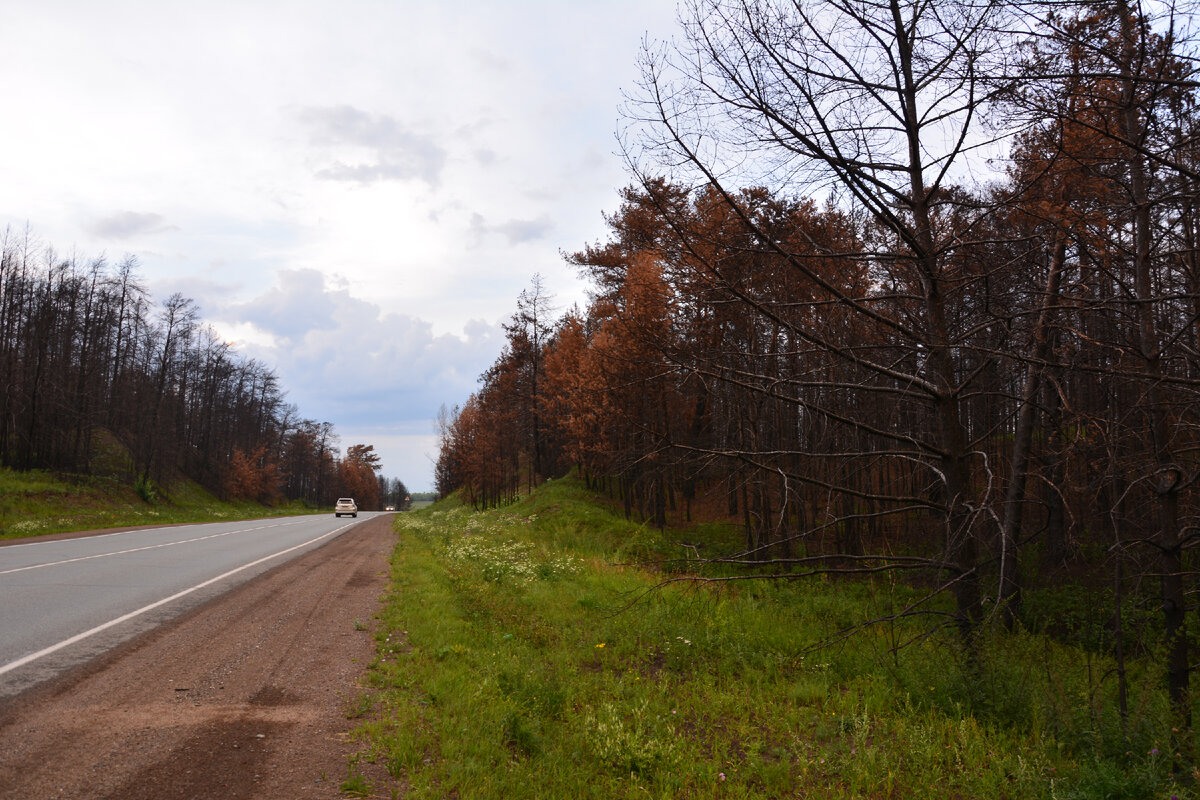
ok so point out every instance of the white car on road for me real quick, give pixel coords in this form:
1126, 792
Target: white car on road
345, 505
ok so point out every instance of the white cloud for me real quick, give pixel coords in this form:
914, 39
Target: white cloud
124, 224
295, 307
393, 151
513, 231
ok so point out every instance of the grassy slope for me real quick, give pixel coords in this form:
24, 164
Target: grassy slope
522, 655
35, 503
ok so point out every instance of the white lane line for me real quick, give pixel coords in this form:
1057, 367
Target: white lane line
54, 648
138, 549
10, 544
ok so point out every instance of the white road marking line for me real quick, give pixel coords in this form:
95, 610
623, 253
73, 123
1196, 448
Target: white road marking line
20, 662
133, 550
13, 545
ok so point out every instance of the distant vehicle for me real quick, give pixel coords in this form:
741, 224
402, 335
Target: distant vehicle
345, 505
390, 508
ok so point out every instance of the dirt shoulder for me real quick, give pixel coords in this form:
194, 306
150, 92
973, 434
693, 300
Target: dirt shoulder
242, 697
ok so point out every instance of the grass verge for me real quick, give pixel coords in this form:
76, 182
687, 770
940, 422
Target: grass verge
522, 654
37, 503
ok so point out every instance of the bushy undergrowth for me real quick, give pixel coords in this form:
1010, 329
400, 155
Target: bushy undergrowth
37, 503
522, 654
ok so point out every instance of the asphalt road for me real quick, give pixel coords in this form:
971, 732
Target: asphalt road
66, 601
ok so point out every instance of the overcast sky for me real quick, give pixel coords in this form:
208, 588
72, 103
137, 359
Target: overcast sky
354, 192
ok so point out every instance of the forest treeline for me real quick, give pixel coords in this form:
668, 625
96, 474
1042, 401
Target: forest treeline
96, 378
900, 288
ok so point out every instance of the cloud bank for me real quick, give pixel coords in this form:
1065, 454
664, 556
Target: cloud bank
379, 377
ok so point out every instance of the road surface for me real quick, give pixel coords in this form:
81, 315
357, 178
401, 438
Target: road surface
245, 695
62, 602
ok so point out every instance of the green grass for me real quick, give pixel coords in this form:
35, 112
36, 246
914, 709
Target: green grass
37, 503
518, 657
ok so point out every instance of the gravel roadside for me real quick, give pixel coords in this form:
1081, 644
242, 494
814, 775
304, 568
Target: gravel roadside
244, 696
